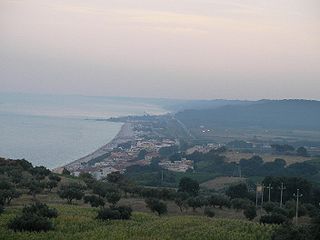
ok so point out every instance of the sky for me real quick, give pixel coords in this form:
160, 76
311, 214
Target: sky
190, 49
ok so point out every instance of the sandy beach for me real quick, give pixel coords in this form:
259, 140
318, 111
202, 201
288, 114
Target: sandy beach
125, 134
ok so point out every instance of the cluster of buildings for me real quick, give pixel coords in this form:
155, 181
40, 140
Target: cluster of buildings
119, 158
177, 166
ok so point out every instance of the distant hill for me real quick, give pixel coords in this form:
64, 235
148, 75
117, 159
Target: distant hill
269, 114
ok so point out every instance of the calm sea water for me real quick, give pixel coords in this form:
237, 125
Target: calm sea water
54, 130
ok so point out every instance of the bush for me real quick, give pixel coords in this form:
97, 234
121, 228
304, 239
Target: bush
115, 213
292, 232
40, 209
250, 212
312, 210
30, 222
1, 209
108, 214
209, 212
273, 219
125, 212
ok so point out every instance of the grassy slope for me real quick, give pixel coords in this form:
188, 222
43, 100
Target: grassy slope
79, 223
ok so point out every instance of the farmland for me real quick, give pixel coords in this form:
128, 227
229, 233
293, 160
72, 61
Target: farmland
76, 222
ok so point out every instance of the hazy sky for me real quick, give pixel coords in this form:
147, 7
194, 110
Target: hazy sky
244, 49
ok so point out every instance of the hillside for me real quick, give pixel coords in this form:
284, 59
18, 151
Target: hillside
266, 114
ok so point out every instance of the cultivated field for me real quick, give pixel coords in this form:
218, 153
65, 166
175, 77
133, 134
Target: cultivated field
221, 182
233, 156
76, 222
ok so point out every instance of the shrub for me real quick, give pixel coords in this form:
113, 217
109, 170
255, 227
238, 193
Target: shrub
125, 212
1, 209
108, 214
209, 212
40, 209
273, 219
312, 210
30, 222
250, 212
292, 232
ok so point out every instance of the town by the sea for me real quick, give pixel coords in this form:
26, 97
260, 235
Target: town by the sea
53, 130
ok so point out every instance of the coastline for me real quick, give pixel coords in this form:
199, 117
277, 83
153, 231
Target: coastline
125, 134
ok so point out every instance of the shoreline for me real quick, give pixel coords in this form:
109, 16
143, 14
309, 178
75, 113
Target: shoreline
125, 134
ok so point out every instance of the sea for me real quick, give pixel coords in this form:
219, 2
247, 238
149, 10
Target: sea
53, 130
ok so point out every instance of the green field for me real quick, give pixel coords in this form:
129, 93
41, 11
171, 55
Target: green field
75, 222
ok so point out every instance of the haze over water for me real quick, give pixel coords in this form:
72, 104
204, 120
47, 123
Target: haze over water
54, 130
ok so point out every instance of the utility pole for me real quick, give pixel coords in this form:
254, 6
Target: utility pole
258, 190
298, 195
257, 195
262, 190
269, 188
161, 175
281, 194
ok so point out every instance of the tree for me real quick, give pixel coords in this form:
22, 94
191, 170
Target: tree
54, 177
40, 172
94, 201
40, 209
51, 184
189, 186
237, 191
113, 197
167, 151
66, 172
102, 188
181, 200
114, 177
196, 202
240, 203
303, 152
273, 219
35, 187
269, 206
7, 192
156, 206
250, 212
121, 212
293, 232
218, 200
35, 217
30, 222
142, 154
71, 191
285, 148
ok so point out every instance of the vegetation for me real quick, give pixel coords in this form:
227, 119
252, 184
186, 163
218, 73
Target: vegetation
80, 223
104, 197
